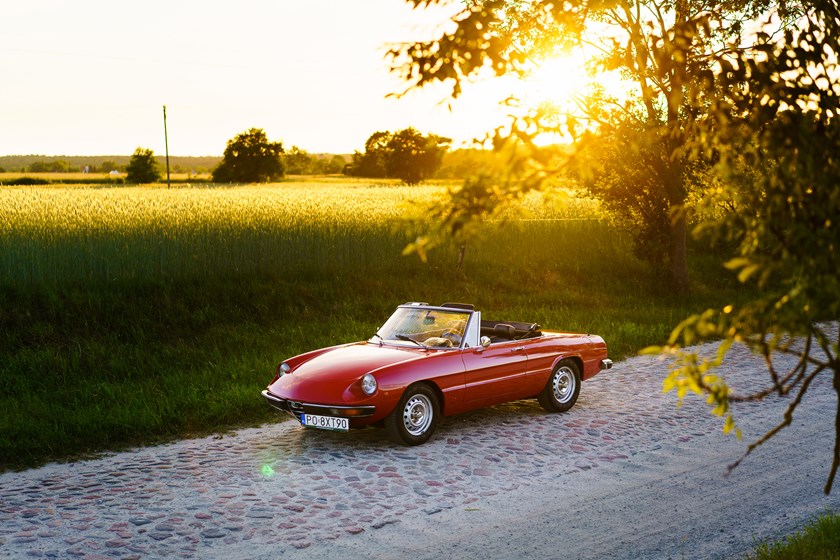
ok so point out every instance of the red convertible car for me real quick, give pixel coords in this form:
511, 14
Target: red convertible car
430, 361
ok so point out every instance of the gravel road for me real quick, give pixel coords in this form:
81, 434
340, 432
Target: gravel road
624, 474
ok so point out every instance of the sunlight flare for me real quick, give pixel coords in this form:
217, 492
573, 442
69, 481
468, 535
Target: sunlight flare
558, 81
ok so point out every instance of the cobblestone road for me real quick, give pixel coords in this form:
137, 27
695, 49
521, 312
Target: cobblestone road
292, 488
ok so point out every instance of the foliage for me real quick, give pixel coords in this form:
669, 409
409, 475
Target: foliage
142, 168
626, 159
463, 162
336, 163
106, 163
250, 157
406, 155
661, 48
413, 157
785, 127
297, 162
25, 181
300, 162
107, 166
371, 163
720, 88
55, 166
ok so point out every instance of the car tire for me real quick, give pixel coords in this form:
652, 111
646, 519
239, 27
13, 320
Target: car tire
563, 387
416, 416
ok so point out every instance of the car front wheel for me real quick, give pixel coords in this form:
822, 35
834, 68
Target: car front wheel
563, 387
414, 420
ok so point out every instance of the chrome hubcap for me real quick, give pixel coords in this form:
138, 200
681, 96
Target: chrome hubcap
417, 415
564, 384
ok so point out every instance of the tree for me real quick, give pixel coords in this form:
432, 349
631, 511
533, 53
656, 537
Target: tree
721, 87
413, 157
38, 167
371, 163
405, 155
461, 163
142, 167
776, 141
250, 158
298, 162
55, 166
662, 47
335, 164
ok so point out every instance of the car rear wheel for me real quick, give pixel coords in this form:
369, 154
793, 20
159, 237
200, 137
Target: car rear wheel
415, 418
563, 387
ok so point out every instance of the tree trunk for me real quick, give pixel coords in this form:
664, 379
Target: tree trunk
461, 252
678, 258
675, 181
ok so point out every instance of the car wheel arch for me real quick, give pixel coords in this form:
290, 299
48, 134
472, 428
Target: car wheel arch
562, 387
414, 420
434, 387
578, 361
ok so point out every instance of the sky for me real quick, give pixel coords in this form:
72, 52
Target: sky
91, 77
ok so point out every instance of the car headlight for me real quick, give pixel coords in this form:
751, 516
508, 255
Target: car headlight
283, 369
368, 384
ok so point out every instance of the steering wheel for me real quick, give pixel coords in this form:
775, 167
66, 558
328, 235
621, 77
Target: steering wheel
452, 335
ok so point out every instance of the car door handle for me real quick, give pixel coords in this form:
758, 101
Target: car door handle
518, 349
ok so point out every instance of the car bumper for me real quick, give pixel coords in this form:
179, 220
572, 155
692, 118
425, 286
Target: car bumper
297, 408
606, 364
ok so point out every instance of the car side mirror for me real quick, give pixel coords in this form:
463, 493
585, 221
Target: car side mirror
484, 341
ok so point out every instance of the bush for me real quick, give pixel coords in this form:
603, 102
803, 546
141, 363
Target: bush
143, 167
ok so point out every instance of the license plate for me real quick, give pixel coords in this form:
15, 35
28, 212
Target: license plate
325, 422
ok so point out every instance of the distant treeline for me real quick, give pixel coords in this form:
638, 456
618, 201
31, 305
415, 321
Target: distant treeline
456, 164
34, 163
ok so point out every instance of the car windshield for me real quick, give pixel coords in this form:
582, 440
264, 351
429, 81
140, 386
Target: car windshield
431, 328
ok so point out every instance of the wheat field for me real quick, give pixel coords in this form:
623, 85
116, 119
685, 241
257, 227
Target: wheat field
96, 235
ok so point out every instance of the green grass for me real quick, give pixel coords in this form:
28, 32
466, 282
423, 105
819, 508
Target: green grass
819, 540
135, 315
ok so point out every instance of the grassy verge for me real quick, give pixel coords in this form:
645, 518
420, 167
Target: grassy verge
91, 369
144, 316
819, 540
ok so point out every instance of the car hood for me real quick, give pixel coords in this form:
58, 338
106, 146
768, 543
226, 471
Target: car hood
339, 367
352, 361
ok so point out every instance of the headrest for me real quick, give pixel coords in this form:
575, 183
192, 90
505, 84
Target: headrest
504, 331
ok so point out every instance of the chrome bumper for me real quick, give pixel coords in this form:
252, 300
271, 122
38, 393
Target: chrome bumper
296, 408
606, 364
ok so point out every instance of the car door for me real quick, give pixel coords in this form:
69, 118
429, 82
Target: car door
493, 373
542, 354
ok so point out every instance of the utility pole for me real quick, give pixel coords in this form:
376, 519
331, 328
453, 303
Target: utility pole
166, 140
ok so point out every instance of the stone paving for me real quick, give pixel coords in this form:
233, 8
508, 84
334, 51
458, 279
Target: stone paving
284, 485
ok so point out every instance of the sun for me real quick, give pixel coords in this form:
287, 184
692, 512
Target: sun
558, 81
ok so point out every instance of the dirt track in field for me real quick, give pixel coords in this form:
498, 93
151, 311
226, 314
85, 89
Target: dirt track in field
625, 474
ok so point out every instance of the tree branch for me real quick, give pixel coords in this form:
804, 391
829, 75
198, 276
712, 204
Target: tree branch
783, 388
835, 461
788, 418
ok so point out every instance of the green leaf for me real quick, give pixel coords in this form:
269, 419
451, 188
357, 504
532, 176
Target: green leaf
747, 272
